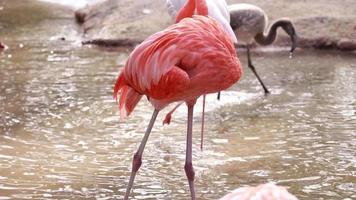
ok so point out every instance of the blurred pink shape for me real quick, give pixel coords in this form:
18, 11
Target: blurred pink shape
267, 191
2, 46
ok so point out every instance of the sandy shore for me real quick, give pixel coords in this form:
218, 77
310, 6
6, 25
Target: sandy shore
324, 24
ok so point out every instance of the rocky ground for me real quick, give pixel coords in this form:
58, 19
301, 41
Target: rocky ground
329, 24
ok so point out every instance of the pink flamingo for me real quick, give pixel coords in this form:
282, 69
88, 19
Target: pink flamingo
267, 191
178, 64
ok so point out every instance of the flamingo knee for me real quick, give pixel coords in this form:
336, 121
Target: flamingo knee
189, 171
136, 162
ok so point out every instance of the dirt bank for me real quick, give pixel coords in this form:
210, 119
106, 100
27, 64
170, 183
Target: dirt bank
321, 24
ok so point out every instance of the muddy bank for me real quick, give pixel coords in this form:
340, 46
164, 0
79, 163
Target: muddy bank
321, 24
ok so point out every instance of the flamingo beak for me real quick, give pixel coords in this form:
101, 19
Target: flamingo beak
293, 36
294, 39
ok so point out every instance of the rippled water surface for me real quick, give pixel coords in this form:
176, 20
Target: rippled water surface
61, 137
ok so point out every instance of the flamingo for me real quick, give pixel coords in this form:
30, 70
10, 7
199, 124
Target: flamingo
267, 191
249, 23
218, 10
178, 64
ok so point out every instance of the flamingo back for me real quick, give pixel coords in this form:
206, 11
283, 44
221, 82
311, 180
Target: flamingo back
247, 21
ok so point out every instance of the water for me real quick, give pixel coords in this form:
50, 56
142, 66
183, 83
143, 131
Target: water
61, 137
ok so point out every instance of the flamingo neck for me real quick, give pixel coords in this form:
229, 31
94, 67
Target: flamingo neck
268, 39
286, 25
189, 7
186, 11
202, 8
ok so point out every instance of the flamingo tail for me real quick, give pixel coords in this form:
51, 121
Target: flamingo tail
128, 98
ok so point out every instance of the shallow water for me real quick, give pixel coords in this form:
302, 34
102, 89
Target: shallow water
61, 138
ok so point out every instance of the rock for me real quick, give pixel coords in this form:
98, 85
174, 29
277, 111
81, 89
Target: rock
125, 19
324, 43
319, 24
346, 45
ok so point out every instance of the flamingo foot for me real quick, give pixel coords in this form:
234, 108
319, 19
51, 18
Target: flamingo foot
167, 119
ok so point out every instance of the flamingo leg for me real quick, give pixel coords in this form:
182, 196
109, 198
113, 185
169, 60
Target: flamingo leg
137, 159
250, 65
168, 118
202, 124
188, 167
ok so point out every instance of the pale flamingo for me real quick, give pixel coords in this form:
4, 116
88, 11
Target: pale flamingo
178, 64
267, 191
249, 23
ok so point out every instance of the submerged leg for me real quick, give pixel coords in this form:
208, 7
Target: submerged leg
188, 167
219, 93
137, 159
250, 65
